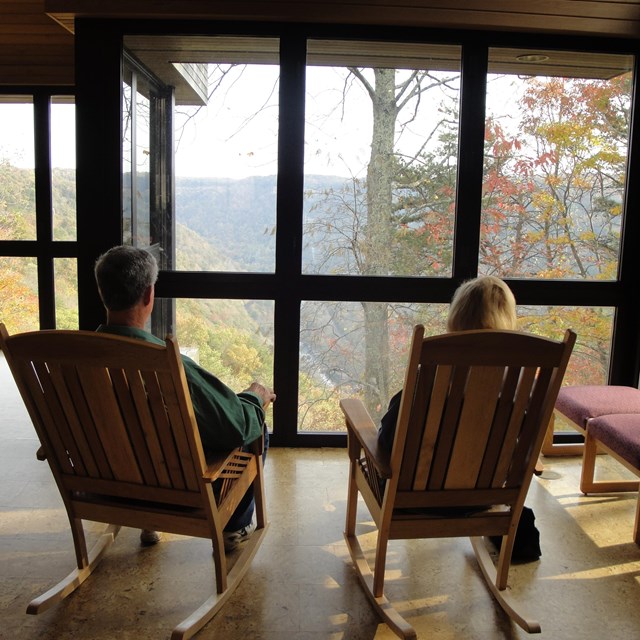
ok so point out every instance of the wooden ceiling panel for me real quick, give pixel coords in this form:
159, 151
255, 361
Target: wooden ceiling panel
34, 50
619, 18
36, 40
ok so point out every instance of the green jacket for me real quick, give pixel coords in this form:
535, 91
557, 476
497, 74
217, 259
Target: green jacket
226, 420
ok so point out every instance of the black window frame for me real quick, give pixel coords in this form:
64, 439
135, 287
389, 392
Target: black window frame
44, 248
99, 55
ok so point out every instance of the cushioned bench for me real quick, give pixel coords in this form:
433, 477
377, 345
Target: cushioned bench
609, 418
579, 404
619, 436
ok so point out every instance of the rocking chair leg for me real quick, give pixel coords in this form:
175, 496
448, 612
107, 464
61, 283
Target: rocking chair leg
259, 495
380, 562
199, 618
501, 595
383, 607
352, 503
79, 542
77, 576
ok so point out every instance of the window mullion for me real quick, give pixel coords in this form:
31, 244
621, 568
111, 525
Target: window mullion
470, 161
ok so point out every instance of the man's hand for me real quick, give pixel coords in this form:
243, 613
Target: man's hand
266, 395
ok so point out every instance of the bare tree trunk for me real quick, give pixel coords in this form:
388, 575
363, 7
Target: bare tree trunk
377, 251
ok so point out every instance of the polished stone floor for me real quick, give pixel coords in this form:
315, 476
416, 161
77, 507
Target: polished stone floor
301, 585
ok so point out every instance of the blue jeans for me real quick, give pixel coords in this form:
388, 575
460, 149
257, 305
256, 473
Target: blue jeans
243, 514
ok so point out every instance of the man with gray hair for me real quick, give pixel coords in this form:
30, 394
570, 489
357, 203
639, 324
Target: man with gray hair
126, 278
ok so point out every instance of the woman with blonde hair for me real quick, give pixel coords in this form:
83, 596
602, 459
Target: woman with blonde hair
485, 302
482, 303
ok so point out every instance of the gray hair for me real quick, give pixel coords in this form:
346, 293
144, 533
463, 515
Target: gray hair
123, 274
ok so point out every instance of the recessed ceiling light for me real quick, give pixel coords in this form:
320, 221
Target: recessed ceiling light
532, 57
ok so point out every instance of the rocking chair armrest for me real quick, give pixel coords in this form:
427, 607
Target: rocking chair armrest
216, 463
257, 446
363, 434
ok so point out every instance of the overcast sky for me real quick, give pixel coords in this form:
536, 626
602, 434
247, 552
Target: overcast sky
236, 134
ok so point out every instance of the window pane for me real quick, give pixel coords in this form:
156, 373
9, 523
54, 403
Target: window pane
136, 150
17, 174
63, 168
233, 339
226, 160
353, 349
589, 363
381, 146
66, 283
556, 147
127, 155
19, 294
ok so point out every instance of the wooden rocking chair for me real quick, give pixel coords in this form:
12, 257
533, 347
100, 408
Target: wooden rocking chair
472, 418
116, 424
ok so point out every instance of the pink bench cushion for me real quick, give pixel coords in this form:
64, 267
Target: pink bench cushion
581, 403
621, 433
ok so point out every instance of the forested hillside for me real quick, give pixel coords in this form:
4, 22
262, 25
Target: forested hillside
230, 224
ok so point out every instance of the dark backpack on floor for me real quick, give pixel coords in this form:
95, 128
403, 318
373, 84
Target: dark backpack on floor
526, 547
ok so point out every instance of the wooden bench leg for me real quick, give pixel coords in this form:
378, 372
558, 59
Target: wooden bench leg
636, 526
551, 449
588, 484
588, 464
547, 443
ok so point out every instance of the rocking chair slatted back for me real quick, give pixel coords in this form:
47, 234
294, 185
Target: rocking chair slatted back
472, 419
112, 410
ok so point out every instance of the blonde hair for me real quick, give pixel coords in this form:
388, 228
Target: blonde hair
482, 303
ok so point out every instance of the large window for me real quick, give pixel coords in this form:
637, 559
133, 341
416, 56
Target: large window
38, 283
556, 149
381, 148
312, 196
